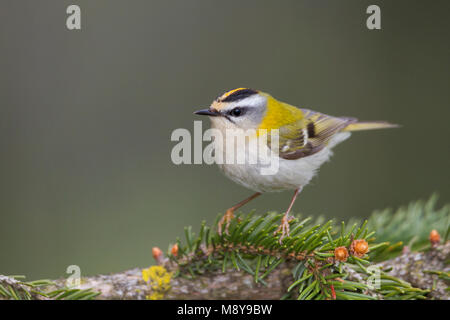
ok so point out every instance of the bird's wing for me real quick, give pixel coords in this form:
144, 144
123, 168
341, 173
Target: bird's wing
309, 135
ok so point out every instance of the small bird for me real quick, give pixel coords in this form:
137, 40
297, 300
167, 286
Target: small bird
305, 140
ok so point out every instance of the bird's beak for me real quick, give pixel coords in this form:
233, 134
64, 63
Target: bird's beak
207, 112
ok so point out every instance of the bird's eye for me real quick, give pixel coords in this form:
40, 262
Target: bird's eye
236, 112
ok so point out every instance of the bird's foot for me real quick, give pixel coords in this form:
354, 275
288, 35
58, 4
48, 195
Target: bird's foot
284, 227
225, 219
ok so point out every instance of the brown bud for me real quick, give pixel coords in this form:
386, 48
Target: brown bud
341, 254
157, 253
359, 247
174, 250
406, 250
435, 238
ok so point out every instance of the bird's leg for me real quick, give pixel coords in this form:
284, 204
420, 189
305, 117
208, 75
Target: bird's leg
284, 226
230, 213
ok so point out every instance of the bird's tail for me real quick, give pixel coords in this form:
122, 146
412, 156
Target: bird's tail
369, 125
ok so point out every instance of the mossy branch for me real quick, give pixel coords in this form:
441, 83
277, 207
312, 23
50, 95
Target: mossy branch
320, 260
322, 256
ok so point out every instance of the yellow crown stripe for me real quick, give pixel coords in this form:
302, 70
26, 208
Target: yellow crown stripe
226, 94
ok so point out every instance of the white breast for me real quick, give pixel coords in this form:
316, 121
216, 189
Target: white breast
291, 174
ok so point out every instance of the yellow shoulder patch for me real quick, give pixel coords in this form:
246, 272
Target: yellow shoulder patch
279, 114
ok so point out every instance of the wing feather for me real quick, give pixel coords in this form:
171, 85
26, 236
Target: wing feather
309, 135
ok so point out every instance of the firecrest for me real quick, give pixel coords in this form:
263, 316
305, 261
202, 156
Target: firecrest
305, 140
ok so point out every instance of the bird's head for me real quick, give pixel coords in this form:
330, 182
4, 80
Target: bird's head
245, 109
239, 108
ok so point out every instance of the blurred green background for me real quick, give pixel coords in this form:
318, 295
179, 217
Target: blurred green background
86, 116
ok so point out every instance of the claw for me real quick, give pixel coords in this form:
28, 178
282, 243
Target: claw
225, 219
284, 227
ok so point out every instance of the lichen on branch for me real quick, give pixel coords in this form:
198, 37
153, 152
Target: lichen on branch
393, 255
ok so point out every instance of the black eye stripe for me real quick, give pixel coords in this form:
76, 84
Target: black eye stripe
237, 111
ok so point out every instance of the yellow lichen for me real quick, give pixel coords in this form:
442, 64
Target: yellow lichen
155, 295
159, 280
